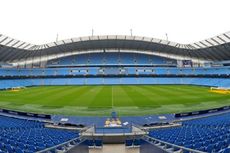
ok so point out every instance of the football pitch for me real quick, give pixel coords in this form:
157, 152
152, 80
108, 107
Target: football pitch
102, 100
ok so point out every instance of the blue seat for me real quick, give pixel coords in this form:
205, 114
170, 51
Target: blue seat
197, 145
98, 143
28, 151
39, 148
31, 148
226, 150
50, 144
209, 148
21, 145
90, 143
1, 146
13, 143
137, 142
9, 148
128, 143
19, 150
41, 145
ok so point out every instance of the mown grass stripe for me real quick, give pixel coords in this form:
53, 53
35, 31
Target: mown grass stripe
127, 99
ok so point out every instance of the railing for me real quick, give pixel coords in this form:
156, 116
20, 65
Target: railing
140, 129
64, 146
169, 147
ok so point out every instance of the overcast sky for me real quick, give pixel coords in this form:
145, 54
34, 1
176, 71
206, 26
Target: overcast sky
185, 21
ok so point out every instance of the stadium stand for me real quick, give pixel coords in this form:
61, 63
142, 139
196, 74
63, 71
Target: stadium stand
215, 82
220, 71
11, 77
25, 136
206, 134
111, 59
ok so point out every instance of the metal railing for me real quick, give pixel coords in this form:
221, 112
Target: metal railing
64, 146
169, 147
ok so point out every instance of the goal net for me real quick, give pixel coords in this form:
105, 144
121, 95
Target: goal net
221, 90
17, 88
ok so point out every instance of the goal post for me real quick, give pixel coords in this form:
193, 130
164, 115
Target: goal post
17, 88
221, 90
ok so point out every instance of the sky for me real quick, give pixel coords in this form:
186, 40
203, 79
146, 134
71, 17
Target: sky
184, 21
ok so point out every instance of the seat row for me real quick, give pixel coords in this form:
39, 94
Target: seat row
211, 134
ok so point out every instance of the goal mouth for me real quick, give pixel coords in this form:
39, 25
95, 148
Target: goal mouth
16, 89
220, 90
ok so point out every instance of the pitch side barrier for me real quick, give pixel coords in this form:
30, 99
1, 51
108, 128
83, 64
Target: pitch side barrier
203, 112
169, 147
25, 114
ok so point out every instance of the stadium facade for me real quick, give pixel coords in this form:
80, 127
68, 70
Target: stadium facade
115, 60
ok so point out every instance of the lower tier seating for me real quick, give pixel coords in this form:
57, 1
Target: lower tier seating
24, 136
210, 134
215, 82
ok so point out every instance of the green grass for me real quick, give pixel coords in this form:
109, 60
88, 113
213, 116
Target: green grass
101, 100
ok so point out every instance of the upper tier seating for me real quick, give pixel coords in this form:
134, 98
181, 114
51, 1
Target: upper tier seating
19, 135
111, 58
210, 134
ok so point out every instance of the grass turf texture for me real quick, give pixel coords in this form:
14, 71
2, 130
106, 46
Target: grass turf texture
101, 100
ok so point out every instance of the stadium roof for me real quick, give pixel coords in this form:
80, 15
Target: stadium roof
212, 49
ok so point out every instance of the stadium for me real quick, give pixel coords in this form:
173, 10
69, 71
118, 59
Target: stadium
145, 94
